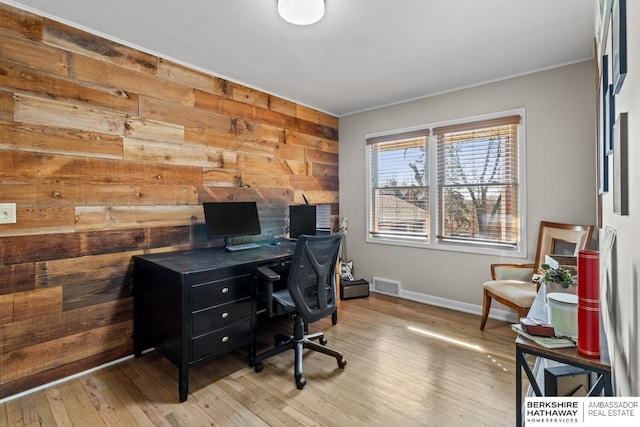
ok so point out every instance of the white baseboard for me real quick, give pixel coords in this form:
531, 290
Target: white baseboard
495, 313
61, 380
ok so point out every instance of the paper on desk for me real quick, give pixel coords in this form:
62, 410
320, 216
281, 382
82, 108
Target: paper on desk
546, 342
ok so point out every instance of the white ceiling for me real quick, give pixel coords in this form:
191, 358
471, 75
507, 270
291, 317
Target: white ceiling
362, 55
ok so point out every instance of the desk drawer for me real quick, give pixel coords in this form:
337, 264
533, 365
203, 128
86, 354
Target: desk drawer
221, 341
219, 316
220, 291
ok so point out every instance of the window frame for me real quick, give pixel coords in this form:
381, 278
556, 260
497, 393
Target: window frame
397, 142
433, 242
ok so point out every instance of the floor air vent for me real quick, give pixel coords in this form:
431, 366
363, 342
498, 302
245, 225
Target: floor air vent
386, 286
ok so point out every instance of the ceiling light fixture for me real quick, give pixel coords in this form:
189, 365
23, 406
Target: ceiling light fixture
301, 12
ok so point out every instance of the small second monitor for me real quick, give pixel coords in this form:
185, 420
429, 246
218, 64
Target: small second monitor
302, 220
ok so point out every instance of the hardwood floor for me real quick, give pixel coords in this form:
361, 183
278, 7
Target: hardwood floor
408, 364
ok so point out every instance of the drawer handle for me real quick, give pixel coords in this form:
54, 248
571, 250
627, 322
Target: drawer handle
225, 315
225, 339
225, 290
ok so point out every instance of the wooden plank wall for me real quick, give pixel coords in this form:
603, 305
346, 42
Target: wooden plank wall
109, 152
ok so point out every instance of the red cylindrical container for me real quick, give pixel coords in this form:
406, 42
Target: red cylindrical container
589, 303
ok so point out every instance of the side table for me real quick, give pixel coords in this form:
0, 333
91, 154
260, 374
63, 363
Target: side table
569, 356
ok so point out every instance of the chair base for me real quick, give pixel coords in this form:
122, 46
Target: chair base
298, 342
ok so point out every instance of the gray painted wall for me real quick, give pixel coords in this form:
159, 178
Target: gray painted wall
621, 288
560, 173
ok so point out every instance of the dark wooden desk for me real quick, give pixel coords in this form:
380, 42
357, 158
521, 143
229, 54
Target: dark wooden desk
197, 304
569, 356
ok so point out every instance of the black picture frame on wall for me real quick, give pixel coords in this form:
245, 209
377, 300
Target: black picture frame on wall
607, 121
621, 167
611, 108
619, 44
604, 131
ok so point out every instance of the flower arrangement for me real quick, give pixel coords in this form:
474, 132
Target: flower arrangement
562, 276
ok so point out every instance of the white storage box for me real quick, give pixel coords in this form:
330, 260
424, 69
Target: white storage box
563, 313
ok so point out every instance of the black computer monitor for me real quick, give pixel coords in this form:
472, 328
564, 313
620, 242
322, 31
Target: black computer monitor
231, 219
302, 220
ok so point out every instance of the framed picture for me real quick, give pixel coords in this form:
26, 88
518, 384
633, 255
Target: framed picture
619, 43
611, 110
607, 122
604, 131
609, 278
621, 167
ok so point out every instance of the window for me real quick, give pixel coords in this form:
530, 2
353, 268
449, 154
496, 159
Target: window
454, 186
399, 185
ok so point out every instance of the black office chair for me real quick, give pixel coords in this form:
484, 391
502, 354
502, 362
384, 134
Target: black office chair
309, 297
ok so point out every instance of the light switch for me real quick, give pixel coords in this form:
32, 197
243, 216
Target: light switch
7, 213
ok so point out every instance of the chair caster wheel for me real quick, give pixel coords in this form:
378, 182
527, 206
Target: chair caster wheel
322, 341
258, 367
301, 383
342, 363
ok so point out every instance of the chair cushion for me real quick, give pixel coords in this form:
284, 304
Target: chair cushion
516, 291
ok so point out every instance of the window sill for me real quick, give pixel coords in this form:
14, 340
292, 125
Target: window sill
419, 243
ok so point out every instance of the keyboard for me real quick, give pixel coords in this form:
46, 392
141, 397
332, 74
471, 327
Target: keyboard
241, 247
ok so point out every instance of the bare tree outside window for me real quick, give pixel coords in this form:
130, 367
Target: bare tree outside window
399, 189
476, 191
477, 182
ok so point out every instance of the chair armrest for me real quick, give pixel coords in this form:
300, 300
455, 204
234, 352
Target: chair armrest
268, 274
269, 277
523, 272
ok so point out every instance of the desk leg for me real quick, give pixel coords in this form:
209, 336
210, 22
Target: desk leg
183, 383
252, 351
138, 344
608, 386
522, 364
602, 383
532, 379
519, 358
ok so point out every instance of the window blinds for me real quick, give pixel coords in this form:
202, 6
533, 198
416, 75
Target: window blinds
478, 181
399, 169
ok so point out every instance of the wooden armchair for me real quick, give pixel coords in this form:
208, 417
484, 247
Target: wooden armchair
512, 284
